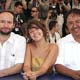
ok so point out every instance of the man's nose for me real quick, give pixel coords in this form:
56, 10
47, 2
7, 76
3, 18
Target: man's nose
75, 24
6, 24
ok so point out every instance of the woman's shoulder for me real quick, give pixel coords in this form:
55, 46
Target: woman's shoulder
53, 48
52, 45
30, 45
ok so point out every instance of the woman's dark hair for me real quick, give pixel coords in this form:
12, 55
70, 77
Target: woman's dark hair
39, 25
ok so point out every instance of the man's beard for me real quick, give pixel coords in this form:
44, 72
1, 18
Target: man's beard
5, 33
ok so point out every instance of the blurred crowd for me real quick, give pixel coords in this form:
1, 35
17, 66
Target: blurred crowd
47, 11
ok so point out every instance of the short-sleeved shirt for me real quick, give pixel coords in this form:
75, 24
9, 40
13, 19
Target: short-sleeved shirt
69, 53
12, 51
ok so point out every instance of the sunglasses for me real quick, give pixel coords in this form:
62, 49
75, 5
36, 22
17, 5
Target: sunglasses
33, 11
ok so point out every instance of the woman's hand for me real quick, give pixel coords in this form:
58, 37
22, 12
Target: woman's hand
29, 75
32, 76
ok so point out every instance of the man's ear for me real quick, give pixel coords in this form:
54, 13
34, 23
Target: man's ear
13, 25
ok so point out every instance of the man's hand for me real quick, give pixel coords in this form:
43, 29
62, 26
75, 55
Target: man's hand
76, 75
2, 73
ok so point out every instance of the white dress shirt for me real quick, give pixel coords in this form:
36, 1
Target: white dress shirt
69, 53
12, 51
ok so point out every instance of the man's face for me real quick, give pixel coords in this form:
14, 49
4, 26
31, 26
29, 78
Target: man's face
73, 24
18, 9
6, 23
34, 12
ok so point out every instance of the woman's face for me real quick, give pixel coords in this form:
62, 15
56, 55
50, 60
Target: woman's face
36, 34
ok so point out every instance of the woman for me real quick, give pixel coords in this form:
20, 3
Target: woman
40, 55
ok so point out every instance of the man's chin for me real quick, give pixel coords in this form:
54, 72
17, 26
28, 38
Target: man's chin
5, 33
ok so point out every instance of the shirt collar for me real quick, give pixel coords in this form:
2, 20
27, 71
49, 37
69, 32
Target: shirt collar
70, 38
11, 38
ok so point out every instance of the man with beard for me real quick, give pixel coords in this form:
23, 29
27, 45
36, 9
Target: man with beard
12, 48
68, 61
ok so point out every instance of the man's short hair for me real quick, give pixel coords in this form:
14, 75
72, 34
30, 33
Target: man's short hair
18, 3
73, 11
52, 24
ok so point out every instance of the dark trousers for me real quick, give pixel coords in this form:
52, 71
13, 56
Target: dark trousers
13, 77
61, 77
47, 76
